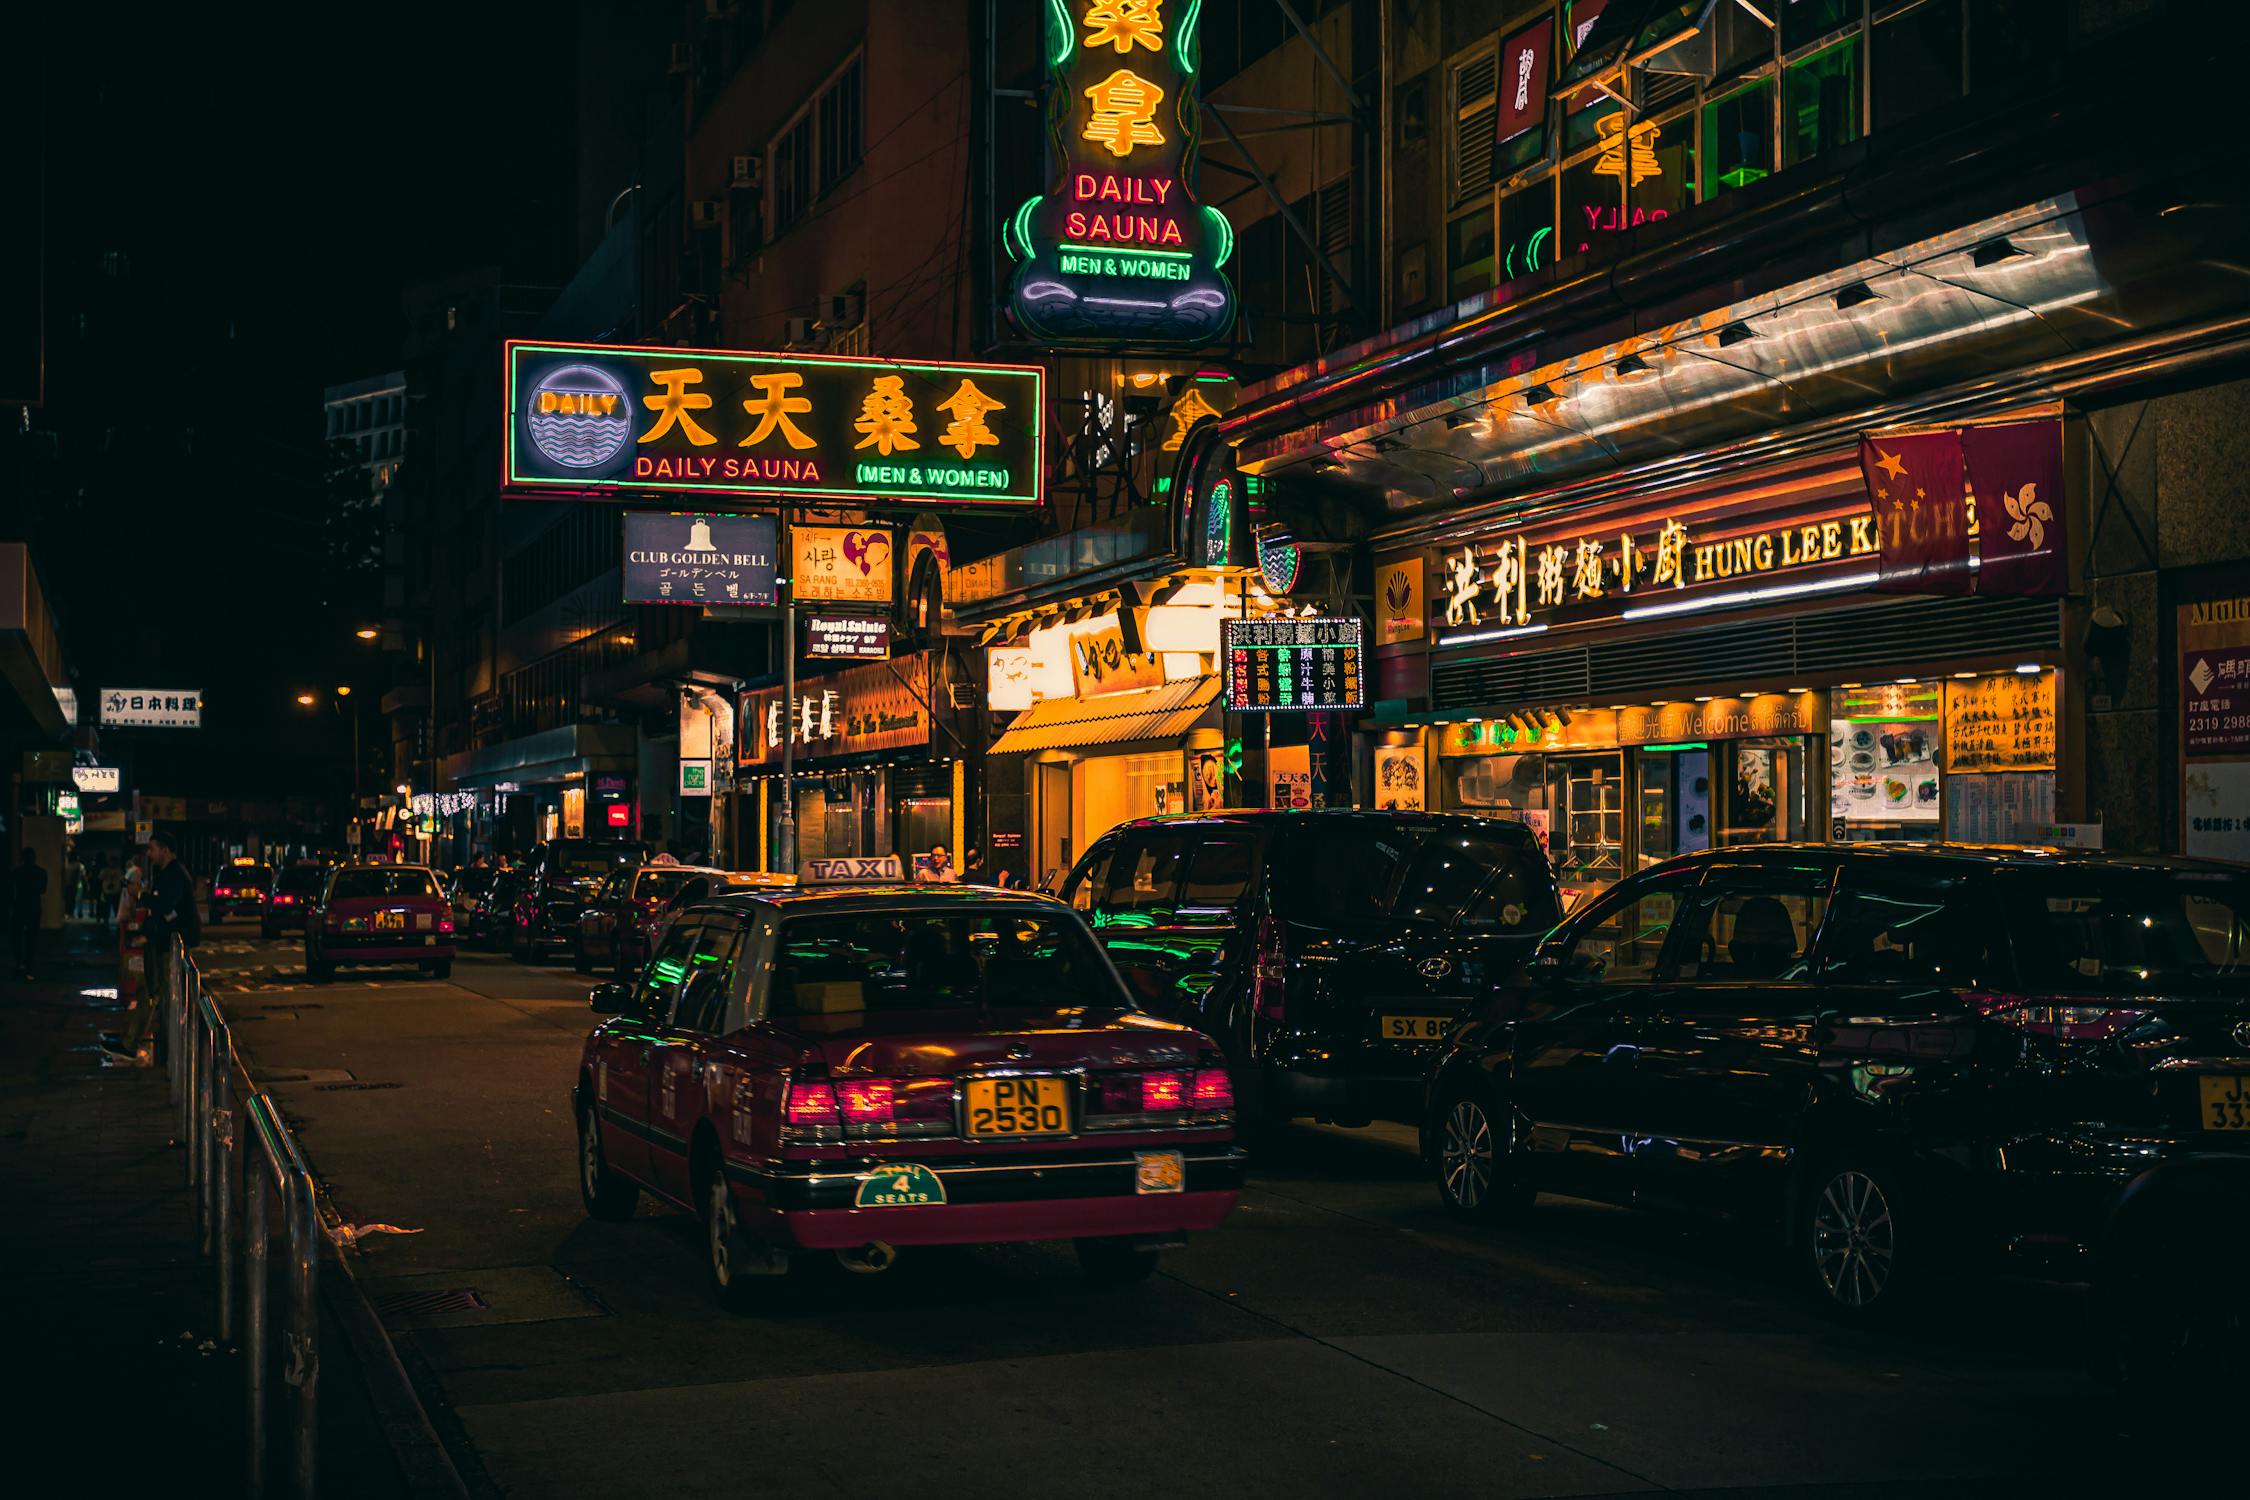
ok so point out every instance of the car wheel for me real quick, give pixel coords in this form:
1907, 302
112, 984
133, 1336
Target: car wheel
1855, 1238
727, 1251
1114, 1262
1477, 1178
607, 1196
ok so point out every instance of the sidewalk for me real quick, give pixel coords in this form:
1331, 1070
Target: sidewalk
113, 1309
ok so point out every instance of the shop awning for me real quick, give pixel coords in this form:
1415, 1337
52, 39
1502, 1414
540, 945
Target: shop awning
1072, 723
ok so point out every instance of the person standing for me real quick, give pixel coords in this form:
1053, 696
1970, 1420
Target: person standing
112, 884
169, 907
27, 894
935, 868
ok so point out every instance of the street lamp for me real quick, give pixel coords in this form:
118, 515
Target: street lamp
344, 690
367, 632
306, 700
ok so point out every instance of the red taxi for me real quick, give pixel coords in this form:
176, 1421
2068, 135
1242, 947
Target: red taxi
238, 888
380, 914
618, 928
851, 1069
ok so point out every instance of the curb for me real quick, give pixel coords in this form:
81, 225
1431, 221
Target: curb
422, 1456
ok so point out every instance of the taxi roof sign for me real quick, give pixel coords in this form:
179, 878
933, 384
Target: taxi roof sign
855, 869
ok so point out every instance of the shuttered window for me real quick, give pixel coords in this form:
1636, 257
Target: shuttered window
1473, 93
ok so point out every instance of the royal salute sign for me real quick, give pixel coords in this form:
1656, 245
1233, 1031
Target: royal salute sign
594, 420
1118, 251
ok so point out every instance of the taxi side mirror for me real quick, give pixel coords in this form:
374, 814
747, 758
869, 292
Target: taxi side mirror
611, 999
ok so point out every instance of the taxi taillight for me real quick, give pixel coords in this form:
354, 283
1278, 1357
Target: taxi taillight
1164, 1091
808, 1111
1213, 1089
867, 1101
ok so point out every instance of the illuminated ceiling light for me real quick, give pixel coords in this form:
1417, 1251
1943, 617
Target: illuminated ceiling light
306, 699
2028, 668
343, 690
1853, 293
1633, 367
1704, 698
402, 789
1540, 395
367, 632
1736, 333
1793, 690
1910, 682
1848, 684
1964, 674
1992, 252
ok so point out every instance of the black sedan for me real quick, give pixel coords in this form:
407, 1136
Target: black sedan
1895, 1055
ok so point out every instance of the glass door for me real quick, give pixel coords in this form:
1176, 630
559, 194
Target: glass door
1587, 838
1674, 789
1761, 790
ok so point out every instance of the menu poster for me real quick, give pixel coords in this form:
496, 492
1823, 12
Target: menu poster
2004, 722
2007, 808
1398, 778
1884, 771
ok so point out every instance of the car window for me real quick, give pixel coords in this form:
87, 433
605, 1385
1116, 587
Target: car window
381, 880
701, 997
1219, 871
1480, 883
1899, 928
833, 974
660, 981
2128, 929
1142, 881
1343, 871
300, 881
1621, 937
1751, 922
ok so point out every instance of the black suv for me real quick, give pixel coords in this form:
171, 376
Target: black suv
1329, 952
558, 880
1897, 1054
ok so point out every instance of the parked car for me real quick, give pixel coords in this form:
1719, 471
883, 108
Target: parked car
618, 926
239, 888
1893, 1054
1330, 952
851, 1070
296, 890
380, 914
558, 879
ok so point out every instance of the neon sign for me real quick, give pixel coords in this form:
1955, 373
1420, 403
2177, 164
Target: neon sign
1118, 250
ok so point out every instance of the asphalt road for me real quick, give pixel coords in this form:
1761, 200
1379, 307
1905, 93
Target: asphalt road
1337, 1336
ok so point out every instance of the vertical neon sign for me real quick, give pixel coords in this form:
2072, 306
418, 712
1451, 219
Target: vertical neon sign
1118, 251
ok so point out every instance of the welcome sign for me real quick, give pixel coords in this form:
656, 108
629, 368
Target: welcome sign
591, 420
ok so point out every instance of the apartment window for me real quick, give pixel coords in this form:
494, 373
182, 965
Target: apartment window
1475, 101
1820, 102
1805, 21
1917, 63
1738, 138
819, 148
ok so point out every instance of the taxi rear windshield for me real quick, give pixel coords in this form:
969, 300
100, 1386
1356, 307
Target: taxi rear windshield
247, 877
382, 882
662, 885
848, 969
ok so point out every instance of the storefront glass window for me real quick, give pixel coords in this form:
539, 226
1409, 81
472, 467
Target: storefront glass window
1468, 254
1587, 835
1821, 103
1761, 786
1675, 802
1527, 230
1738, 138
1592, 207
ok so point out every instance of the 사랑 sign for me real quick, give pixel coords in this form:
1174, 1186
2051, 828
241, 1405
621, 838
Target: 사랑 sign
593, 419
1283, 665
841, 564
146, 708
684, 559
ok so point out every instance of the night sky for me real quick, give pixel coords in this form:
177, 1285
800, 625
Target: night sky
236, 196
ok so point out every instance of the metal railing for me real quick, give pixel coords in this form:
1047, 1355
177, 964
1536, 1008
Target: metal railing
241, 1156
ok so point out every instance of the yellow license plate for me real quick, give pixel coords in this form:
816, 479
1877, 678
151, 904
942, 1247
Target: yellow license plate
388, 920
1415, 1028
1012, 1107
2226, 1101
1159, 1172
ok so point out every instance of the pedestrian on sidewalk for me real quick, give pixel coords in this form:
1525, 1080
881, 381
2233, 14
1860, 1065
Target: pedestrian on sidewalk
112, 885
27, 894
169, 907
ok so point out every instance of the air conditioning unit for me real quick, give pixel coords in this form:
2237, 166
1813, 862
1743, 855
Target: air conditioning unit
845, 310
749, 173
707, 213
683, 58
803, 331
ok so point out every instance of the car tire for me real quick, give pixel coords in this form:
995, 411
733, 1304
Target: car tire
607, 1196
1114, 1262
726, 1249
1858, 1241
1478, 1180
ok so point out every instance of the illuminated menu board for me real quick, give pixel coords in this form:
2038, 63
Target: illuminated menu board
1286, 666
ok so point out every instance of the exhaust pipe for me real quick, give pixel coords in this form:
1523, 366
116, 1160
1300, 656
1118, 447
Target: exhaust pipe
871, 1259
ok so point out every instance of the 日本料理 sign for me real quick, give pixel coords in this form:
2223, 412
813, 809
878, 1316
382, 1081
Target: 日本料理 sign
594, 419
699, 559
139, 708
1118, 250
1281, 665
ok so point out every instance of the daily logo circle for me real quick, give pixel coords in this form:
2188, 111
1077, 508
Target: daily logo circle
579, 417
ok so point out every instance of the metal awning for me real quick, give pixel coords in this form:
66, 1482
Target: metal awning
1163, 713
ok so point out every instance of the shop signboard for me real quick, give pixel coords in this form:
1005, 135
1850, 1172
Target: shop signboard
847, 637
1289, 770
590, 420
695, 778
1016, 677
2001, 722
1523, 78
1118, 250
96, 779
1100, 664
841, 564
152, 708
2214, 640
1283, 665
881, 706
1724, 718
1399, 601
689, 559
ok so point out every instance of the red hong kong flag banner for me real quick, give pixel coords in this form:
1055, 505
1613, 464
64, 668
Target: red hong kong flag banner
1916, 488
2015, 473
